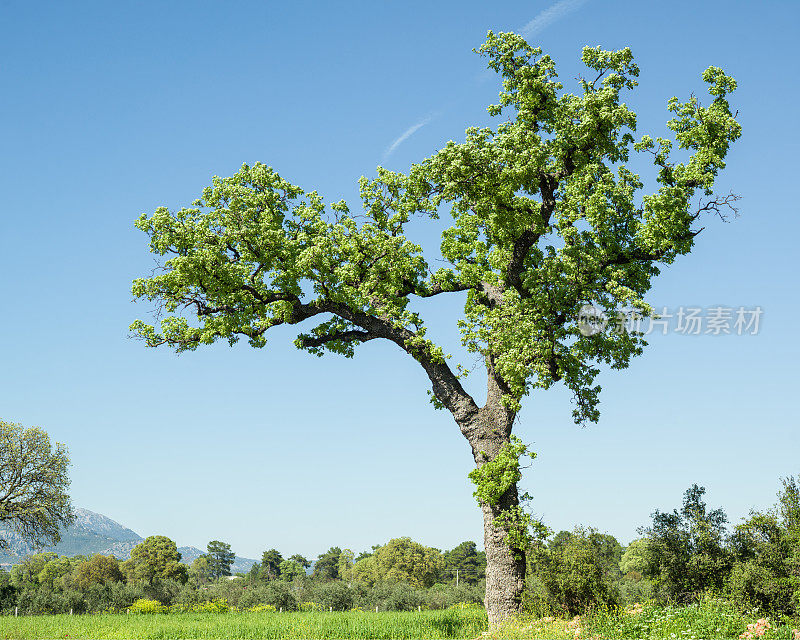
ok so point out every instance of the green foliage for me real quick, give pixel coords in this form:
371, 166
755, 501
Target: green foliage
155, 558
291, 569
545, 219
301, 560
98, 569
574, 573
466, 562
327, 565
147, 606
766, 547
400, 560
492, 479
220, 558
200, 570
465, 623
33, 474
270, 565
686, 553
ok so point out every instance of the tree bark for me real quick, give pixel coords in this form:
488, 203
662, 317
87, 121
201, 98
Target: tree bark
487, 431
505, 568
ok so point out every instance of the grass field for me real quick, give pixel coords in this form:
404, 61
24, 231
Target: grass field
348, 624
708, 619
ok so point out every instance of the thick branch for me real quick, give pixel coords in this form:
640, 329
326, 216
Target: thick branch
529, 237
353, 335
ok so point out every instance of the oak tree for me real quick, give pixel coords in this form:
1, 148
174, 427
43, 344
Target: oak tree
547, 218
33, 485
154, 558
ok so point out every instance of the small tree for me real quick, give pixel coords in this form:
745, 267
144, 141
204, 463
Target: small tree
546, 221
686, 551
98, 569
327, 565
33, 485
271, 564
200, 570
301, 560
220, 559
155, 558
574, 570
465, 562
291, 569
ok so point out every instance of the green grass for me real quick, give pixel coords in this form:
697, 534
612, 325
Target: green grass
349, 624
709, 619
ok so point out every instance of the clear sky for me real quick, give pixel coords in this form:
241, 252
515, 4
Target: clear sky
109, 110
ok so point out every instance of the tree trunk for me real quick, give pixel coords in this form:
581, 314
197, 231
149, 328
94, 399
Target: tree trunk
505, 568
487, 431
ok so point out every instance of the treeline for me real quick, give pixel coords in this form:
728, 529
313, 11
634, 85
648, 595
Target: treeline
400, 575
681, 555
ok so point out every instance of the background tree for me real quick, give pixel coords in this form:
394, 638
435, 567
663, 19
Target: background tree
301, 560
401, 560
33, 485
686, 553
270, 564
98, 569
327, 565
220, 559
546, 220
291, 569
766, 549
466, 562
578, 570
155, 558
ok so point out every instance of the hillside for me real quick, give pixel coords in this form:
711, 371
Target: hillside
95, 533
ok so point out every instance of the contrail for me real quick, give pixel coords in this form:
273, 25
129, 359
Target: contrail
550, 15
542, 20
406, 134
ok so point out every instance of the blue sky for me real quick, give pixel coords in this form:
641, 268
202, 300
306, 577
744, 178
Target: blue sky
112, 109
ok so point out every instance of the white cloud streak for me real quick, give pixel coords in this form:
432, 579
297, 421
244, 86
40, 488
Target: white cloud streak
405, 136
542, 20
551, 15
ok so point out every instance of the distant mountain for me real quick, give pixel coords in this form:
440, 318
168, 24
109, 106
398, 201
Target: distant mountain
104, 526
95, 533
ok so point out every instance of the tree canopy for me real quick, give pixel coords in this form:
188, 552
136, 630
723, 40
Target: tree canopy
33, 484
155, 558
256, 251
220, 558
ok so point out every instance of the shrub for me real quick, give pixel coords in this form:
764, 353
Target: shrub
147, 606
333, 594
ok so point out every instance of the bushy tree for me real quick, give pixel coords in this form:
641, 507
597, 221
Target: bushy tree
200, 570
270, 565
33, 485
686, 552
220, 559
464, 562
155, 558
547, 219
98, 569
576, 570
291, 569
327, 565
401, 560
766, 549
